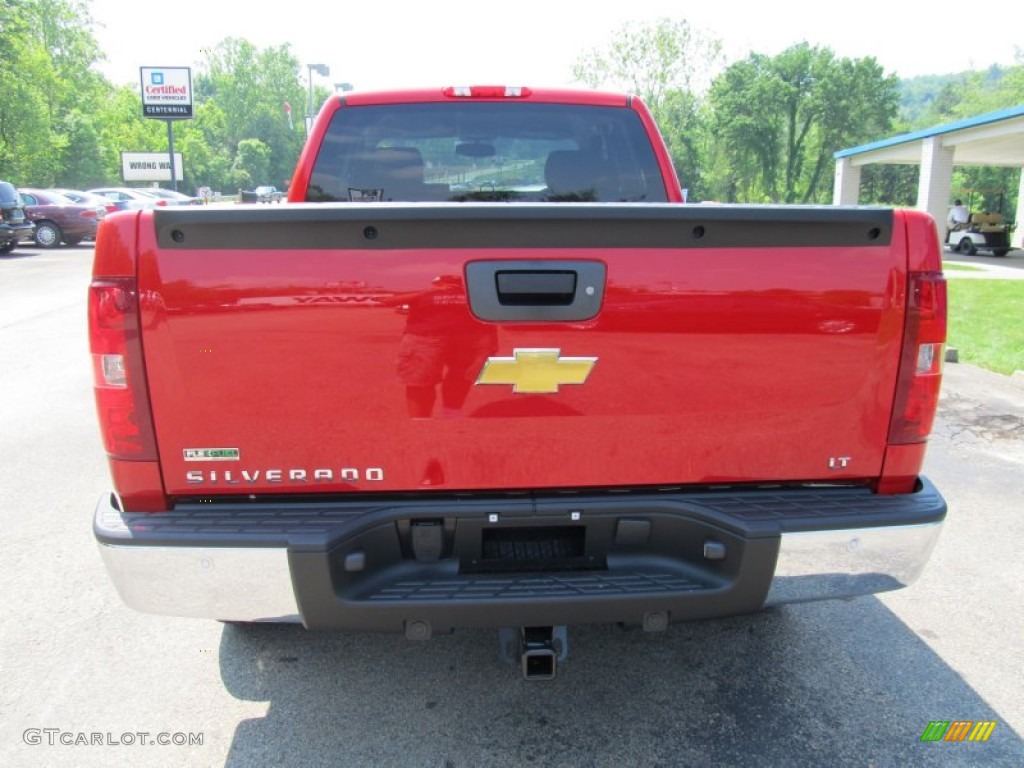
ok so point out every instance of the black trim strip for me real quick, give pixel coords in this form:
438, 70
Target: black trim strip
415, 226
751, 514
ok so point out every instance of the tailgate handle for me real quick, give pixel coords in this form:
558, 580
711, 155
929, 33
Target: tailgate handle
535, 291
531, 288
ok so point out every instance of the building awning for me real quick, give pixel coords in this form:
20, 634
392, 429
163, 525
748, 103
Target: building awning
993, 139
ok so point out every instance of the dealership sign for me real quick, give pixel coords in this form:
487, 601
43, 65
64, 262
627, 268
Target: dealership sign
149, 166
167, 92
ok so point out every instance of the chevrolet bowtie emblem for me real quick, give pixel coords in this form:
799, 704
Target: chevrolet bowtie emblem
536, 370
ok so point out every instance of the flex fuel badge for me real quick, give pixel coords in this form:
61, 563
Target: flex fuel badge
212, 454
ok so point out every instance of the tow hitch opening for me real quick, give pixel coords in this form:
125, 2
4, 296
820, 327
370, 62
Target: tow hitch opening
536, 649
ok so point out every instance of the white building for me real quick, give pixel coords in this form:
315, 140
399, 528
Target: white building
994, 139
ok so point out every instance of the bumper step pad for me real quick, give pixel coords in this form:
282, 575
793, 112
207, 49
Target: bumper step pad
532, 586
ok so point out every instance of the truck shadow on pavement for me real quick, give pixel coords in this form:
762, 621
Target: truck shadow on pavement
819, 684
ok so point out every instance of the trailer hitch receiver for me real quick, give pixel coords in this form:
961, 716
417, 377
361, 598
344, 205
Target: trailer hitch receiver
537, 650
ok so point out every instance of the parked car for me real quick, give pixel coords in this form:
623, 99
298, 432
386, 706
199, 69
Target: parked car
131, 197
14, 225
173, 197
58, 218
266, 194
108, 205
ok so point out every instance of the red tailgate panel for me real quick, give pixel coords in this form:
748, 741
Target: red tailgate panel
327, 370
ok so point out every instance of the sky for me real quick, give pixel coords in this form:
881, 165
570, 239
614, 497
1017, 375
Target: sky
382, 44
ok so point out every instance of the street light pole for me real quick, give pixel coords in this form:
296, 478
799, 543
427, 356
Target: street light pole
323, 70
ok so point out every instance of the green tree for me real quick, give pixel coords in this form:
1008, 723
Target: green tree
975, 93
47, 49
124, 129
786, 115
26, 142
749, 124
919, 95
62, 27
889, 184
680, 116
653, 60
250, 88
81, 158
206, 160
669, 64
252, 163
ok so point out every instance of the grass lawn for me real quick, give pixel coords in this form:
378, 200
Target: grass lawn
954, 267
986, 323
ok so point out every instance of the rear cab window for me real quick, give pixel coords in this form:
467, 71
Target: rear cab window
486, 152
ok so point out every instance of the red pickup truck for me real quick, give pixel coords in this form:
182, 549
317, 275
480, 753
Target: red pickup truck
486, 369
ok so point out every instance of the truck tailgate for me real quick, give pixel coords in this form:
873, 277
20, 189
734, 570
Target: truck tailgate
323, 348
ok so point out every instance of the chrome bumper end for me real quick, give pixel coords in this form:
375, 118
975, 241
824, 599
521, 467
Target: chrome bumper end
823, 565
230, 584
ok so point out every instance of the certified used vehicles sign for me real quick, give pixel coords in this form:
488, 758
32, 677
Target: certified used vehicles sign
167, 92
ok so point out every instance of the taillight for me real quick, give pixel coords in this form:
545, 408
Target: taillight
90, 214
917, 392
118, 374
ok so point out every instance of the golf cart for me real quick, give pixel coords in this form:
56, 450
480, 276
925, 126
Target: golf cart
982, 232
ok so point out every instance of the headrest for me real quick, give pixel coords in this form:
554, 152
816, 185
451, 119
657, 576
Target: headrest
384, 166
572, 172
405, 163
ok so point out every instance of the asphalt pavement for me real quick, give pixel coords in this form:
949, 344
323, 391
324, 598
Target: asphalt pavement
836, 683
986, 266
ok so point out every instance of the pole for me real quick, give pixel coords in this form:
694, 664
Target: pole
170, 144
309, 120
322, 70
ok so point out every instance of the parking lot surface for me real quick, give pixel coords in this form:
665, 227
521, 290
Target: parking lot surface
837, 683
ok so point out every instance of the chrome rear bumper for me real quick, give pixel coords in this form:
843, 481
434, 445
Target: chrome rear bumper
334, 566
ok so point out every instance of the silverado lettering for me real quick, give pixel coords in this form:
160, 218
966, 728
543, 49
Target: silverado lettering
236, 476
595, 403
